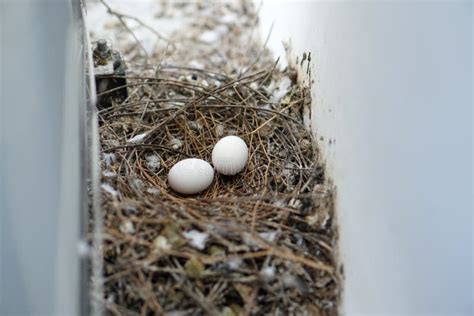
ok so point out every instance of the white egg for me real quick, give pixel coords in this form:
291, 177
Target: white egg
190, 176
230, 155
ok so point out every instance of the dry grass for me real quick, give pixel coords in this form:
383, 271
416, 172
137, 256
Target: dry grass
269, 231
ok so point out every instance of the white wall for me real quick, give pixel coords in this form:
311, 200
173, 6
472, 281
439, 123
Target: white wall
393, 84
40, 158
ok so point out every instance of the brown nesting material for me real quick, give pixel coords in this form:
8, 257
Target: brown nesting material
261, 242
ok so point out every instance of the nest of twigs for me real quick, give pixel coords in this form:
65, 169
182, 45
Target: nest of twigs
257, 243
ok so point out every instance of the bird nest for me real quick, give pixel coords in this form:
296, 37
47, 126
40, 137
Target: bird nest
261, 242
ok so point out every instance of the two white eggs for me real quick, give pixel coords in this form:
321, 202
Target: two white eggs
192, 175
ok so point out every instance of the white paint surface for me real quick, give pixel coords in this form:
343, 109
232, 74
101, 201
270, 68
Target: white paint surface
393, 88
41, 113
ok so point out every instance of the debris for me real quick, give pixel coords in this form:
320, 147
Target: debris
153, 162
268, 273
197, 239
268, 236
137, 138
109, 159
153, 191
109, 189
283, 89
161, 243
219, 130
234, 263
294, 281
195, 125
137, 184
176, 143
127, 227
109, 174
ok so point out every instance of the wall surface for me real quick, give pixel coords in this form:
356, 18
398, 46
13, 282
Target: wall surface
40, 81
393, 96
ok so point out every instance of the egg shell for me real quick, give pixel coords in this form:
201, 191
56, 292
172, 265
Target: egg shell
230, 155
190, 176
